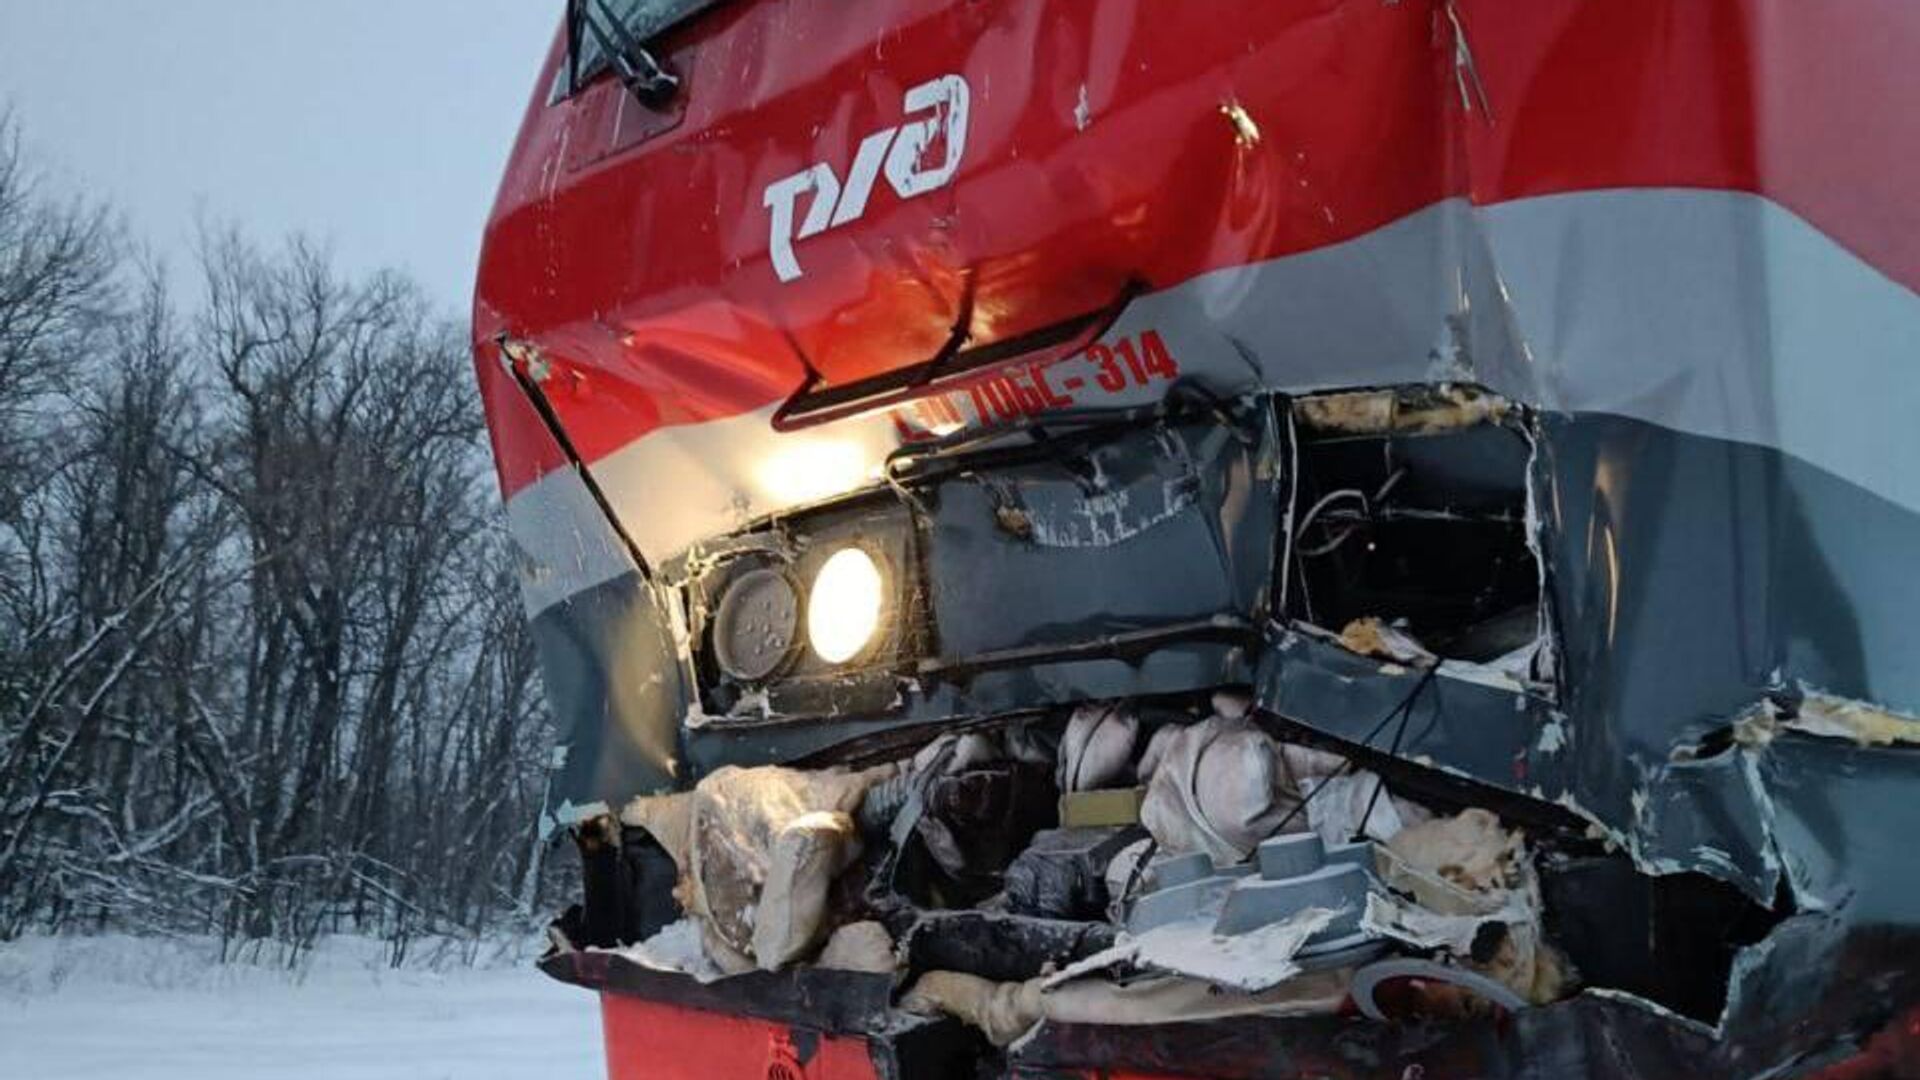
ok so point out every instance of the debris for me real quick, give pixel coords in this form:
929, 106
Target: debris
1474, 894
807, 855
1513, 672
1456, 991
1015, 521
1177, 900
1420, 927
975, 821
1370, 636
1220, 786
859, 946
973, 801
1098, 746
1223, 785
1469, 851
1257, 960
1170, 1000
1232, 704
1867, 725
1004, 1011
1340, 888
757, 850
1364, 413
1061, 874
1125, 873
998, 945
1294, 875
1341, 799
1251, 889
1422, 409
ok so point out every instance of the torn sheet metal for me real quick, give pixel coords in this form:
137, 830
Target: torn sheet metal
839, 1002
1582, 1037
1183, 514
614, 679
1254, 961
1816, 713
1832, 979
1816, 974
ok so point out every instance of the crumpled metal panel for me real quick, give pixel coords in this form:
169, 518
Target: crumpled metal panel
1583, 1037
613, 679
1154, 527
1693, 578
926, 707
1824, 991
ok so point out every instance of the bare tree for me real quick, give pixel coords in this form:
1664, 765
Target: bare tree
262, 670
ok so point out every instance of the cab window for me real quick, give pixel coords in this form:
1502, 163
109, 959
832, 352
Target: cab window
590, 24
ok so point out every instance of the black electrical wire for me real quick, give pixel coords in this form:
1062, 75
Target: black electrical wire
1380, 782
1404, 712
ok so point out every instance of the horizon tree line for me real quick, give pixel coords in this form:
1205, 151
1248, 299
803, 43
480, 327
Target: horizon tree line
264, 672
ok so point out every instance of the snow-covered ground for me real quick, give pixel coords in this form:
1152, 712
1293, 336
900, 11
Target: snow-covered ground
126, 1008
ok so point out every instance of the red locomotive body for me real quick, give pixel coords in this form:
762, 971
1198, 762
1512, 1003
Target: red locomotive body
1583, 328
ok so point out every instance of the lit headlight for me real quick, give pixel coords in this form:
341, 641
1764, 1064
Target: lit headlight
844, 606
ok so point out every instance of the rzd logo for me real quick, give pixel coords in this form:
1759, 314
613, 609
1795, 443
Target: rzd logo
901, 152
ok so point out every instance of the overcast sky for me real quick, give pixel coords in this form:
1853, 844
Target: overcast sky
378, 125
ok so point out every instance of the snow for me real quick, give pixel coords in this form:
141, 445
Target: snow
675, 947
120, 1007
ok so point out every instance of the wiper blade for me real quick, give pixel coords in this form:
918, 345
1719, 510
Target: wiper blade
639, 70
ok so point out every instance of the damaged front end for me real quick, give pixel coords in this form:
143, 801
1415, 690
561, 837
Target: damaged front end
1248, 733
1310, 538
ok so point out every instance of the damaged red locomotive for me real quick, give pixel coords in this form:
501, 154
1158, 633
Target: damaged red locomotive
1287, 538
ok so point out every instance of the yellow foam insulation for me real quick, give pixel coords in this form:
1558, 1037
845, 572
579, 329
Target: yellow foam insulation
1412, 411
1868, 725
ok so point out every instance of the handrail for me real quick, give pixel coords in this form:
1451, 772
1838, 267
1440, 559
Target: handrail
811, 405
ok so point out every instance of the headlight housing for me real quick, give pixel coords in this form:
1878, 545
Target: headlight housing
812, 615
755, 624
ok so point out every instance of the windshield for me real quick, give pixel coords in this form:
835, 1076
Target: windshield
644, 19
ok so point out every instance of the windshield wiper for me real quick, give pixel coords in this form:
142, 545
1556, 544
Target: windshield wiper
639, 70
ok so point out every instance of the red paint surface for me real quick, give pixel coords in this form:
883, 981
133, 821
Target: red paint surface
649, 1040
634, 250
1893, 1053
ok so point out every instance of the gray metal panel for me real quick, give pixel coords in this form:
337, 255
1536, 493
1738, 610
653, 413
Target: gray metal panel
1162, 526
613, 680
